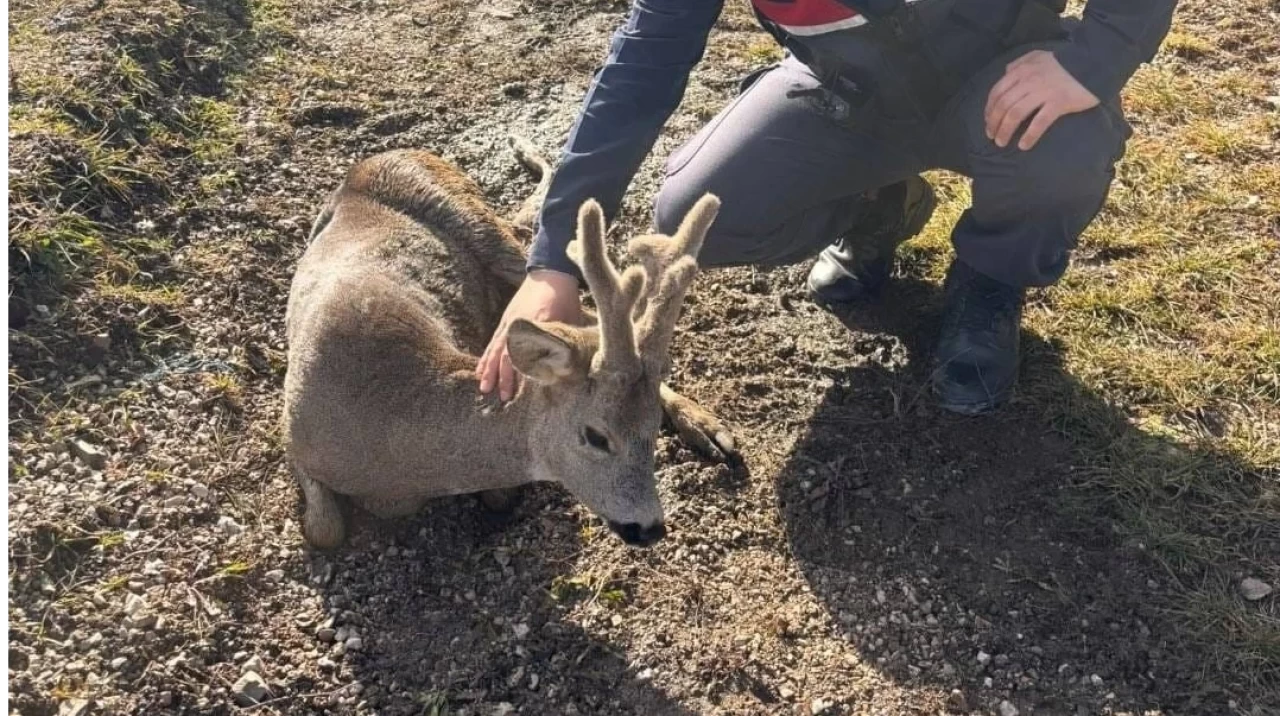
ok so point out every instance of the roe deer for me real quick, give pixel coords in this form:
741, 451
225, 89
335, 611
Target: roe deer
404, 282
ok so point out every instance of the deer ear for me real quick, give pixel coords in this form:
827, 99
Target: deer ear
544, 352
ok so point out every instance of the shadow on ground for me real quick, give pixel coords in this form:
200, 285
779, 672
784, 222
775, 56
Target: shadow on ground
461, 612
950, 551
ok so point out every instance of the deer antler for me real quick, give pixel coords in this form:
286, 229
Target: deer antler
671, 265
615, 295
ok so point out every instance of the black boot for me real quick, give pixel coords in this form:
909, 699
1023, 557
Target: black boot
858, 264
976, 363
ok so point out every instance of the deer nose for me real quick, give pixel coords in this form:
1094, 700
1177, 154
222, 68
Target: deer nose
636, 536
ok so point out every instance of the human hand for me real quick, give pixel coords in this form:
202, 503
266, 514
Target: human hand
545, 295
1034, 84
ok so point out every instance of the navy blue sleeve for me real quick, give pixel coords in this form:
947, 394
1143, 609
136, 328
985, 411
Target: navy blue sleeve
631, 97
1114, 38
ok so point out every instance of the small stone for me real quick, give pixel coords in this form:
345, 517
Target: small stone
118, 663
521, 630
984, 658
200, 490
229, 526
175, 502
91, 455
254, 665
73, 707
818, 706
1254, 589
957, 702
326, 634
354, 644
988, 683
273, 575
787, 692
326, 664
1008, 709
250, 689
144, 620
1096, 680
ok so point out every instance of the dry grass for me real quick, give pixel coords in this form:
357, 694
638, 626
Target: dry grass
1172, 312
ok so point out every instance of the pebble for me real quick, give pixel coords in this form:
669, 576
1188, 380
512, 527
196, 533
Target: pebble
326, 664
254, 665
200, 490
134, 604
176, 501
1096, 680
354, 644
326, 634
229, 526
118, 663
249, 689
90, 454
1008, 709
984, 658
1254, 589
274, 575
818, 706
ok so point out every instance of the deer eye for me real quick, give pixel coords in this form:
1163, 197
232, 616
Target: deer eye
593, 438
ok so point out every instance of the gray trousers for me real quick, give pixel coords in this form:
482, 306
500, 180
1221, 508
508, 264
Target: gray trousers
790, 173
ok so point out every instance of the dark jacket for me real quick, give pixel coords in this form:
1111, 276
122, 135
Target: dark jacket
644, 77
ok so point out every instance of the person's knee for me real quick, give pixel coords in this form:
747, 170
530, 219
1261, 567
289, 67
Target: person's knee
1068, 171
731, 239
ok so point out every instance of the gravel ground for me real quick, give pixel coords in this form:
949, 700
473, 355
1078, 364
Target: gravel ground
872, 555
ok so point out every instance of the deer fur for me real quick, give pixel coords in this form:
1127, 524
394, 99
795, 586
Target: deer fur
404, 281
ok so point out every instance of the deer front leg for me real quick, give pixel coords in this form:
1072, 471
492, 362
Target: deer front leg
698, 427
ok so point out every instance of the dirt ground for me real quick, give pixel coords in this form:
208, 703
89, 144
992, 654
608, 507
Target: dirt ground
872, 555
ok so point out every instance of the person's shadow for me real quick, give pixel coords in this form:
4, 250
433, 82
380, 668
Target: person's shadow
953, 550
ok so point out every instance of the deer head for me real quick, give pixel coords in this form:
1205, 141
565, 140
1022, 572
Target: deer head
595, 391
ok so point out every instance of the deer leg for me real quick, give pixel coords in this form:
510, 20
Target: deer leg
698, 427
389, 508
502, 500
538, 166
323, 525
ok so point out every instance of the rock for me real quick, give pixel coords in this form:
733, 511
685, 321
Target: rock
91, 455
787, 693
1008, 709
118, 663
819, 705
984, 658
249, 689
326, 634
1254, 589
274, 575
200, 490
956, 701
229, 526
143, 620
326, 664
253, 665
522, 630
354, 644
1096, 680
73, 707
